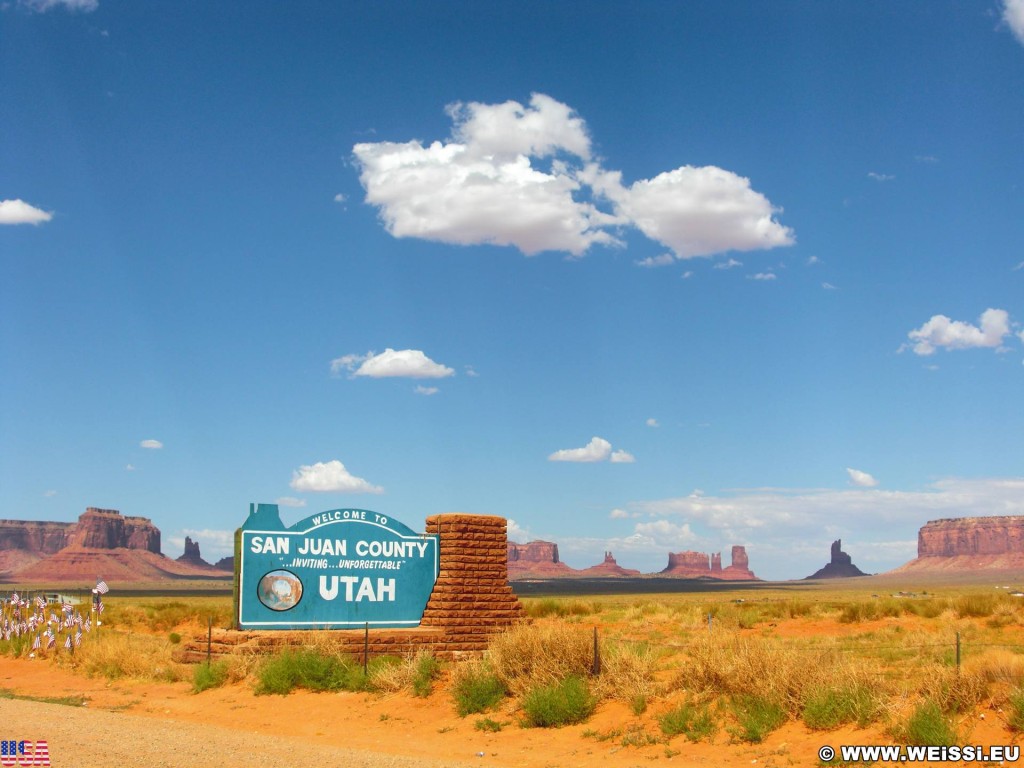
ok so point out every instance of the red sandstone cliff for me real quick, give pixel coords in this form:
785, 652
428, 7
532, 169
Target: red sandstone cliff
607, 568
969, 543
536, 560
102, 543
696, 565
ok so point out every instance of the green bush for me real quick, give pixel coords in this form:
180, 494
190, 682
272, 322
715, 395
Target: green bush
486, 724
427, 668
311, 670
756, 717
694, 723
477, 690
212, 676
927, 725
564, 703
1016, 707
828, 708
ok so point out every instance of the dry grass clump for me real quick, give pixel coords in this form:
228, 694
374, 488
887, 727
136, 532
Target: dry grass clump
529, 655
115, 655
749, 667
628, 673
954, 690
997, 665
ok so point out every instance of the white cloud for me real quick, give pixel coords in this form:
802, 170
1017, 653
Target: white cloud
687, 274
1013, 15
652, 423
812, 260
516, 532
940, 331
729, 264
42, 6
698, 211
861, 479
129, 467
521, 176
663, 260
49, 494
667, 534
880, 176
598, 449
20, 212
405, 363
330, 477
153, 445
828, 286
621, 514
290, 501
340, 198
764, 276
421, 390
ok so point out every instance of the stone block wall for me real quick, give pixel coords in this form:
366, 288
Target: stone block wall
471, 601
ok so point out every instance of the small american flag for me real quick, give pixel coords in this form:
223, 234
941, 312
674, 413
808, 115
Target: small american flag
67, 643
99, 606
15, 599
78, 637
52, 640
101, 587
37, 643
40, 601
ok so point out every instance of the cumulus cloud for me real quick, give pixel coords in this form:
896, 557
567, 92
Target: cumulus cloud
1013, 15
213, 544
941, 331
652, 423
598, 449
729, 264
764, 276
421, 390
330, 477
290, 501
42, 6
523, 176
153, 445
404, 363
861, 479
880, 176
20, 212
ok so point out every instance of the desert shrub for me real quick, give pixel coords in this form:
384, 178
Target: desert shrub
174, 638
206, 676
115, 655
476, 688
997, 666
756, 717
828, 707
751, 667
427, 669
528, 656
928, 725
488, 725
163, 615
309, 669
549, 606
975, 606
628, 672
954, 690
563, 703
16, 646
1015, 705
694, 722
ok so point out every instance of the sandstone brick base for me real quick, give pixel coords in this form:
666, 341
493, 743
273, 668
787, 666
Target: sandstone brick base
471, 602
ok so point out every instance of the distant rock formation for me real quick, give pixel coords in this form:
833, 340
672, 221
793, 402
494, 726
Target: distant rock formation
969, 543
102, 543
539, 560
192, 555
607, 568
697, 565
839, 567
226, 564
536, 559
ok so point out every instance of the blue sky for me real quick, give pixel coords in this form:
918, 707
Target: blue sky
647, 278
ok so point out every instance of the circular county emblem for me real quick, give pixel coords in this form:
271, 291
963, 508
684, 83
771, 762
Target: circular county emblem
280, 590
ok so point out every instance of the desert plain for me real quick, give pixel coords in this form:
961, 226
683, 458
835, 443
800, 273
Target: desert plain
684, 677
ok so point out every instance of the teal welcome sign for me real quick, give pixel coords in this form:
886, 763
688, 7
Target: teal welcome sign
340, 568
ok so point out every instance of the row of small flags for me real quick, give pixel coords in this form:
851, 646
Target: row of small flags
24, 618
